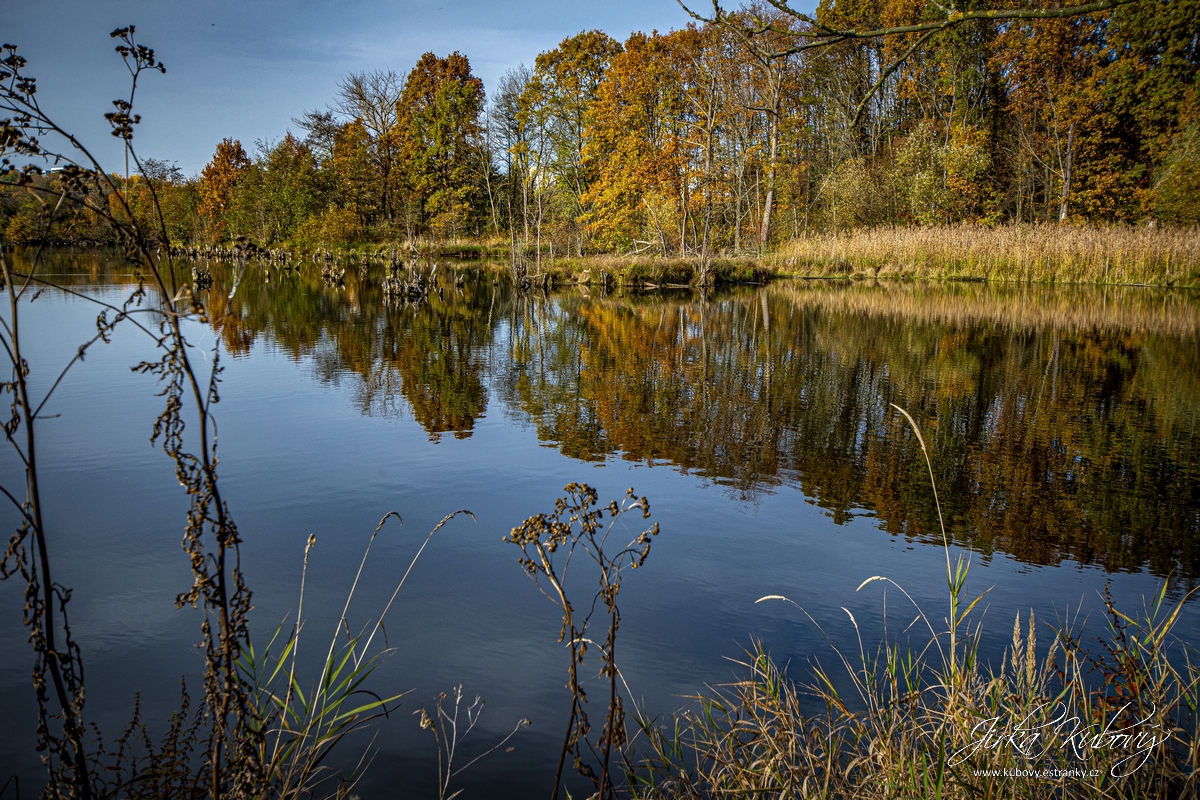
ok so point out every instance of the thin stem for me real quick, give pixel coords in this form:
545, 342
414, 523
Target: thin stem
72, 728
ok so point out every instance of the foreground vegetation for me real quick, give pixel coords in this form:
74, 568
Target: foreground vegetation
903, 720
931, 720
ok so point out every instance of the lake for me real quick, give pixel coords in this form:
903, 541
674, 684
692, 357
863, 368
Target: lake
1062, 424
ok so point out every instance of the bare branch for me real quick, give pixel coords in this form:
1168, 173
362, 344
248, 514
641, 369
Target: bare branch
815, 35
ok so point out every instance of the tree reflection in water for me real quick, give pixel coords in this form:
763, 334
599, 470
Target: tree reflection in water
1063, 420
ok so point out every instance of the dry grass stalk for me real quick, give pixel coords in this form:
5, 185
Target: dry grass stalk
548, 542
297, 724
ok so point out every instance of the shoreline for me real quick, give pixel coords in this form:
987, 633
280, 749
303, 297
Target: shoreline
1047, 254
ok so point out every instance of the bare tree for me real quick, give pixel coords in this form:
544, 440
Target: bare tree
321, 129
507, 138
512, 132
370, 98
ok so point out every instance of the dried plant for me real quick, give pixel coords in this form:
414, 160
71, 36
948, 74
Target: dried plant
450, 730
211, 538
1024, 253
548, 543
256, 731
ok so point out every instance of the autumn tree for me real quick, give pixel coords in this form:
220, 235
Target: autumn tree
218, 180
439, 130
633, 145
674, 135
1138, 105
750, 126
770, 74
353, 167
290, 187
900, 69
1047, 63
556, 102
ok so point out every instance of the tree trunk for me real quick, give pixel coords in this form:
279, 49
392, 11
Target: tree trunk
1066, 184
764, 233
775, 86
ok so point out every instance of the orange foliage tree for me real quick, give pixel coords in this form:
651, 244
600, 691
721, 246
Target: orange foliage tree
217, 182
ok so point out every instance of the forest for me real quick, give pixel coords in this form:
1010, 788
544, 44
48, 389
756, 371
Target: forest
706, 141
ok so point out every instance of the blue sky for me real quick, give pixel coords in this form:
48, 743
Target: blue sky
244, 69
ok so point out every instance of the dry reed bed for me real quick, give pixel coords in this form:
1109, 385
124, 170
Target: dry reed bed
1040, 253
1130, 309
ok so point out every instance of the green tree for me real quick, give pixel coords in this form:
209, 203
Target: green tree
290, 186
560, 92
368, 99
1177, 191
355, 178
440, 134
1135, 104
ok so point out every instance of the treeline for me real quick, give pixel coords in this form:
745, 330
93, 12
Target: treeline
689, 143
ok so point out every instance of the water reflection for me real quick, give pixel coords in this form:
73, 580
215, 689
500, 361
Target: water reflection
1052, 440
1063, 420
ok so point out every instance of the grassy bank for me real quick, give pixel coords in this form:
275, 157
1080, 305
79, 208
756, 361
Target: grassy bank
1061, 254
1033, 253
1136, 255
655, 272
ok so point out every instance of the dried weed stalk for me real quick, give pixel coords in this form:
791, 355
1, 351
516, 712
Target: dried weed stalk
548, 543
450, 730
82, 186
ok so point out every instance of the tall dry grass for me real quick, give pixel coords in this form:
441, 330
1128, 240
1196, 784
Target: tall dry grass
911, 729
1037, 253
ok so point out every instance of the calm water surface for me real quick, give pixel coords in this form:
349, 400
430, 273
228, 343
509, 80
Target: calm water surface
757, 421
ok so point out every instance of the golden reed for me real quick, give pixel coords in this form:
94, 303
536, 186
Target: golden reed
1031, 253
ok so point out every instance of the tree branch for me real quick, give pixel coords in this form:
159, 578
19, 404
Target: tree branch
819, 35
814, 34
887, 73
